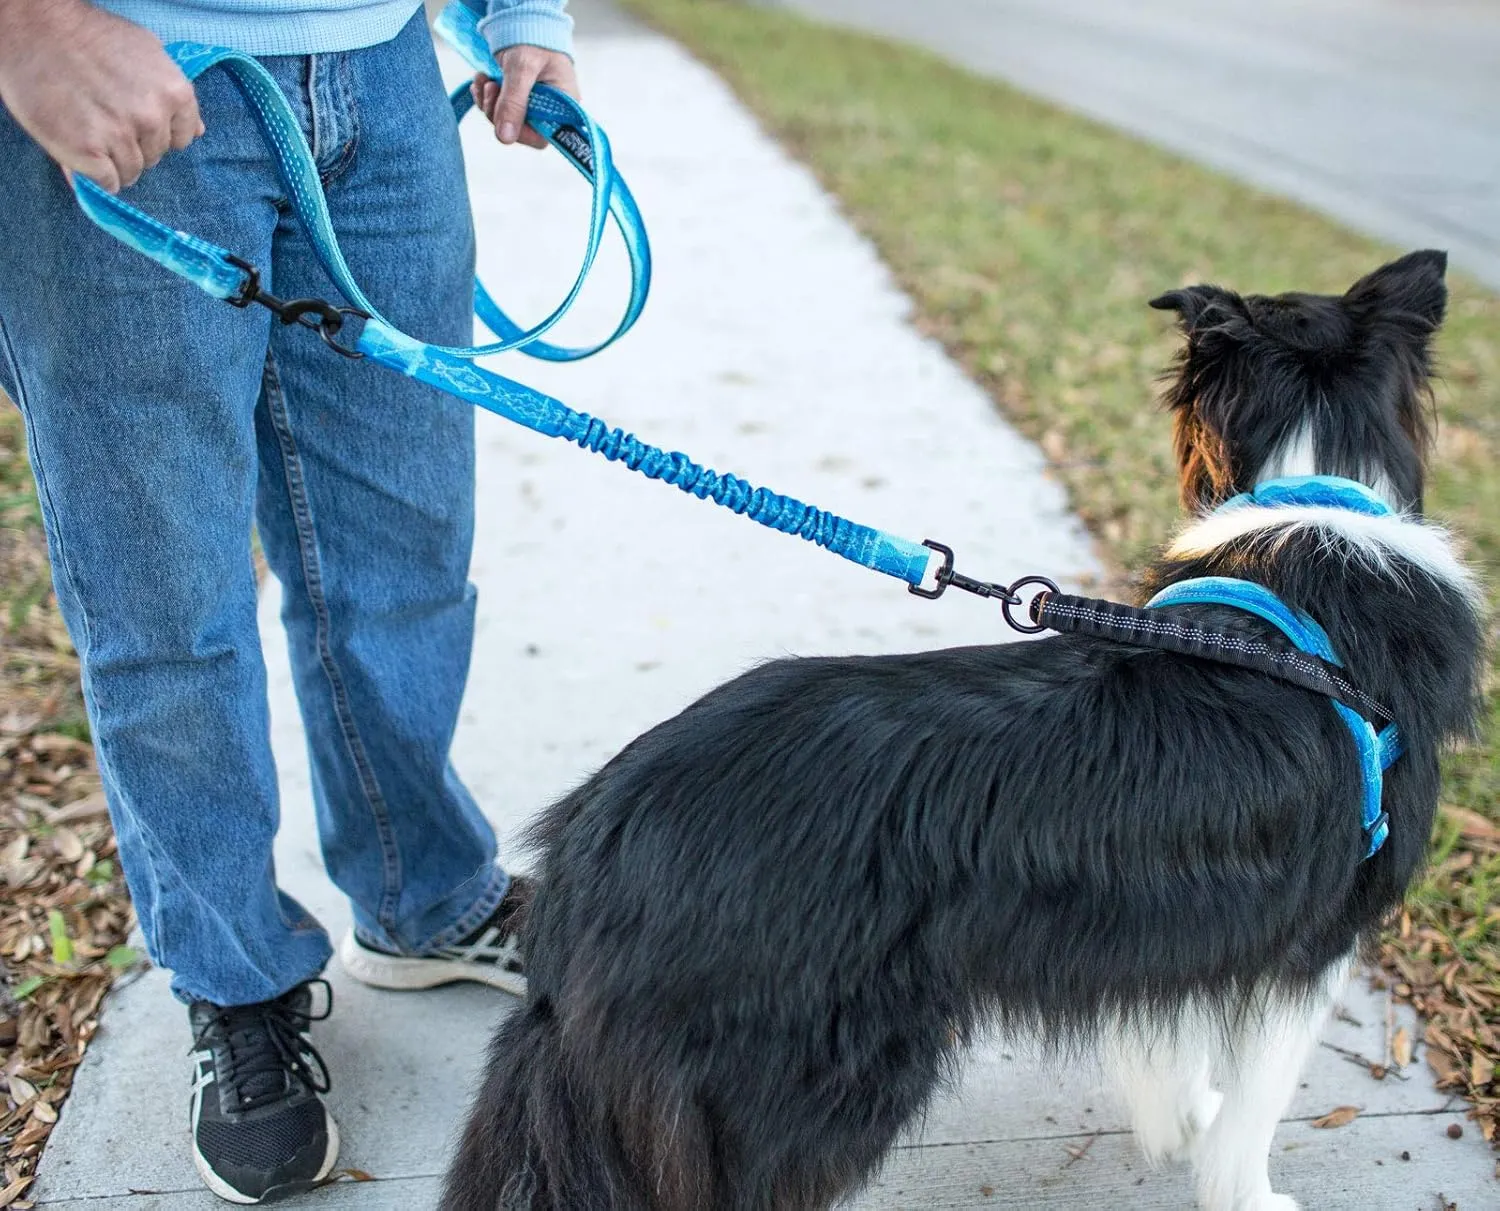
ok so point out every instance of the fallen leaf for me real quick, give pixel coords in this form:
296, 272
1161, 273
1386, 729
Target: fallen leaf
1472, 824
52, 742
14, 723
1401, 1047
121, 957
1340, 1116
88, 808
67, 844
1446, 1071
21, 1091
34, 1132
13, 853
15, 1189
44, 1111
1481, 1071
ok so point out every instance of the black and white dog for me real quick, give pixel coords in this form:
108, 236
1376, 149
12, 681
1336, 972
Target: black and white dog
766, 929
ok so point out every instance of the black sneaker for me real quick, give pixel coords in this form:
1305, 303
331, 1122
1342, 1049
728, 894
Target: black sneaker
260, 1131
491, 954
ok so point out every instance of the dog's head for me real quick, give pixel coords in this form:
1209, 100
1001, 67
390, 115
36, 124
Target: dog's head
1307, 384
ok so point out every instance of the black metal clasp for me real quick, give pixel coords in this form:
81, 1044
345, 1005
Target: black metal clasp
326, 319
1009, 595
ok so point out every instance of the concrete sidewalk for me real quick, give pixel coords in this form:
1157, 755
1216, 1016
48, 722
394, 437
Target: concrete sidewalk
775, 346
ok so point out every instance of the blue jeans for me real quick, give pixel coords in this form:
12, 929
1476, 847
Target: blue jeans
163, 423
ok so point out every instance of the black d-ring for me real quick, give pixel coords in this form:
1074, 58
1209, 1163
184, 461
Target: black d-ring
331, 325
1033, 628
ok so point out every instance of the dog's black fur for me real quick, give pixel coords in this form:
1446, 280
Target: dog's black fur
764, 930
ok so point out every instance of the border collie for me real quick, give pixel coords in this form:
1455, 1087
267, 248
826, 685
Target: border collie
765, 931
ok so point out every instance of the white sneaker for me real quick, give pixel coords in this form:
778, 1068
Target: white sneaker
491, 954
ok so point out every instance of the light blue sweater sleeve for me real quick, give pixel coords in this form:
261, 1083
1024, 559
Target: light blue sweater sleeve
543, 23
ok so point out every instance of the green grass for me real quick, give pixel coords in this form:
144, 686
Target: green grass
1030, 240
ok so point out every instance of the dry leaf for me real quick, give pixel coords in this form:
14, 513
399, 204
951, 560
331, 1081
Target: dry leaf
1340, 1116
52, 742
87, 808
1472, 824
12, 854
1401, 1047
21, 1091
34, 1132
67, 844
1482, 1070
1443, 1067
15, 723
15, 1189
44, 1111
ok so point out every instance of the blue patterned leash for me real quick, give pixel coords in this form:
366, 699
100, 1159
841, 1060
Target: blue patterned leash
568, 127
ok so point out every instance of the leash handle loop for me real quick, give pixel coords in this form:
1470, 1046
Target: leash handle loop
565, 123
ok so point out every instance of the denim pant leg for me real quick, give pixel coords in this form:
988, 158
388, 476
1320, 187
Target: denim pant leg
366, 507
138, 393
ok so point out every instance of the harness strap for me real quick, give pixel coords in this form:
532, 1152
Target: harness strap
1310, 664
1112, 620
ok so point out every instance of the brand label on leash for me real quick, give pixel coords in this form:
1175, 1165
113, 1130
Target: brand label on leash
572, 141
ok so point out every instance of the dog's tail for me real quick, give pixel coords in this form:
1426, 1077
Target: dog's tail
520, 1128
540, 1140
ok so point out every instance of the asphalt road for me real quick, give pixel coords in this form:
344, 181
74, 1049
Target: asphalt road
1382, 113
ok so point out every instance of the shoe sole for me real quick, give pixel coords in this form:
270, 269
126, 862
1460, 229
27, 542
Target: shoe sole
402, 974
230, 1195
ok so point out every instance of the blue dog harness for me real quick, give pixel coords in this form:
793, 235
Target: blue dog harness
1314, 664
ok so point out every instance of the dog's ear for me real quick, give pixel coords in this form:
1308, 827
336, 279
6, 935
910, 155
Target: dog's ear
1196, 306
1410, 289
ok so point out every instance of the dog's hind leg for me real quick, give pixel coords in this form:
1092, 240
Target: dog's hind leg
1161, 1074
1266, 1057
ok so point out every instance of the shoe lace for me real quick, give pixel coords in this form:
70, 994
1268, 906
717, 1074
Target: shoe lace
263, 1046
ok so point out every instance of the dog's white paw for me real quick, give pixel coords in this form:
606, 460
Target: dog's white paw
1266, 1201
1171, 1133
1269, 1202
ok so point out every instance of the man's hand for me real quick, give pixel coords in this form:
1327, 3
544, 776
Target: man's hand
97, 92
505, 106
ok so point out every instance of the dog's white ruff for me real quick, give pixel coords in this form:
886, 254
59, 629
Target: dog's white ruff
1377, 540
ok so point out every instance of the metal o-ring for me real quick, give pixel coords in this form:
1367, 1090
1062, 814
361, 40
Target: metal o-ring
1026, 628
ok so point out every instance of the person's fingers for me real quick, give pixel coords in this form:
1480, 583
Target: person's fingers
187, 122
99, 169
153, 140
521, 71
129, 160
531, 138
